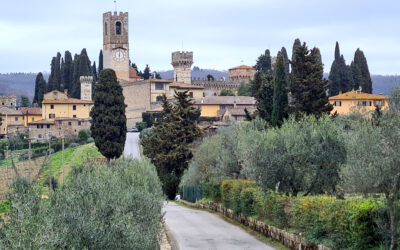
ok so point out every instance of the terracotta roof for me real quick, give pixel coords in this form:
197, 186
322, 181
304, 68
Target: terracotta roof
31, 111
178, 85
243, 67
68, 101
9, 111
357, 95
217, 100
41, 122
240, 111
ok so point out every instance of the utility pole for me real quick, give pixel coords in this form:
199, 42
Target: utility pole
29, 160
50, 179
63, 173
7, 163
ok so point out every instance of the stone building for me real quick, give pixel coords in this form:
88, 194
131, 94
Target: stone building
242, 73
40, 131
12, 121
182, 63
8, 101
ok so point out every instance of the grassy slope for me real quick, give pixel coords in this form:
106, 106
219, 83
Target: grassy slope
72, 156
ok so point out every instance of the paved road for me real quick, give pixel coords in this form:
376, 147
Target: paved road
132, 145
196, 229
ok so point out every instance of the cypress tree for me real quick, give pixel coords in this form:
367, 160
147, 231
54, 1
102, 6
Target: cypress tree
296, 44
340, 75
67, 71
52, 84
147, 72
94, 69
108, 116
40, 89
58, 71
308, 88
360, 72
100, 61
265, 97
263, 63
280, 99
62, 74
82, 67
285, 59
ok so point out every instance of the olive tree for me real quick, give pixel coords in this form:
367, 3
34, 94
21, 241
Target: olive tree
373, 163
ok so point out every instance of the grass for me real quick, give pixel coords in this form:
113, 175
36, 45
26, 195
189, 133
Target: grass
5, 207
72, 157
247, 229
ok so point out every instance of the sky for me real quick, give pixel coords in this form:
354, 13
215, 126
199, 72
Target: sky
221, 33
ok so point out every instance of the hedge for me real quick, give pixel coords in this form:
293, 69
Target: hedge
354, 223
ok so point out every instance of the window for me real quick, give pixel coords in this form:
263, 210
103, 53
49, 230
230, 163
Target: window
74, 116
38, 126
204, 94
11, 104
70, 123
33, 119
105, 28
222, 107
118, 27
51, 116
364, 103
51, 106
337, 103
159, 86
191, 94
379, 103
48, 125
74, 107
39, 136
158, 98
79, 123
2, 103
59, 122
16, 119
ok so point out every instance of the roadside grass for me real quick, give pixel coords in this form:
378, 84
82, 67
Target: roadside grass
247, 229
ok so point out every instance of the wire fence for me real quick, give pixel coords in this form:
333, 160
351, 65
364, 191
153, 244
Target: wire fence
193, 194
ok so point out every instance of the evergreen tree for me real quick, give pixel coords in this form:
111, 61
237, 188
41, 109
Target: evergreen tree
340, 75
264, 95
169, 144
52, 84
95, 77
24, 101
108, 116
66, 71
40, 89
82, 67
264, 62
147, 72
308, 88
226, 92
296, 44
285, 60
280, 98
100, 61
360, 72
58, 71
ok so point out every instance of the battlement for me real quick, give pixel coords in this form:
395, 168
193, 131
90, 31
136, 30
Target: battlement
182, 58
115, 14
86, 79
216, 85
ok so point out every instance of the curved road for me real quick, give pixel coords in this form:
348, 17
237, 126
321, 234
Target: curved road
196, 229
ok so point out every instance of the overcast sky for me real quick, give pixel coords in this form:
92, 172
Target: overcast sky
221, 33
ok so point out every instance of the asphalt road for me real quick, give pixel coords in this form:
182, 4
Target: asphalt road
132, 145
196, 229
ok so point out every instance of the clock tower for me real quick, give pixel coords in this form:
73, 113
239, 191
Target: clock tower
116, 43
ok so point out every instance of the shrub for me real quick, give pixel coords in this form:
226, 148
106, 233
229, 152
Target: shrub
5, 206
248, 200
83, 135
230, 193
90, 140
73, 145
141, 125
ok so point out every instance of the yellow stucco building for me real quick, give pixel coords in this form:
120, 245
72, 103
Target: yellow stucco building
213, 106
57, 104
357, 101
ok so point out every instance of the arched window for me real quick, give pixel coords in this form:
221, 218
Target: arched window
118, 28
105, 28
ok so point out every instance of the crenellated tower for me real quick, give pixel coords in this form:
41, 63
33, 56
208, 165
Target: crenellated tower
86, 87
182, 62
116, 43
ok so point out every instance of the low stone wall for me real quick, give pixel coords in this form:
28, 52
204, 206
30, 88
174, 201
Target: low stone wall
291, 240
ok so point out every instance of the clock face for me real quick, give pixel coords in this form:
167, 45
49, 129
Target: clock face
119, 55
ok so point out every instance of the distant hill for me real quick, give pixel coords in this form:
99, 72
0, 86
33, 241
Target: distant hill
19, 84
24, 83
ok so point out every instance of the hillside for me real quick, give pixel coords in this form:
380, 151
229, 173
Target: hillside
18, 84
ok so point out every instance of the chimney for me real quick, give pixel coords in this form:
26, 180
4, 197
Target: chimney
381, 94
340, 92
66, 91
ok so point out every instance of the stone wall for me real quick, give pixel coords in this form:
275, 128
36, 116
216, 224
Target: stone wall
212, 88
290, 240
137, 98
8, 100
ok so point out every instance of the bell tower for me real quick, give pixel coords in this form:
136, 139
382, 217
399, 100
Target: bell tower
116, 43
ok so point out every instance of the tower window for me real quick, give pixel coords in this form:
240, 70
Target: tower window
118, 27
105, 28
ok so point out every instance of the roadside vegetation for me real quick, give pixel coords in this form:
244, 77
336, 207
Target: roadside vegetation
99, 207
